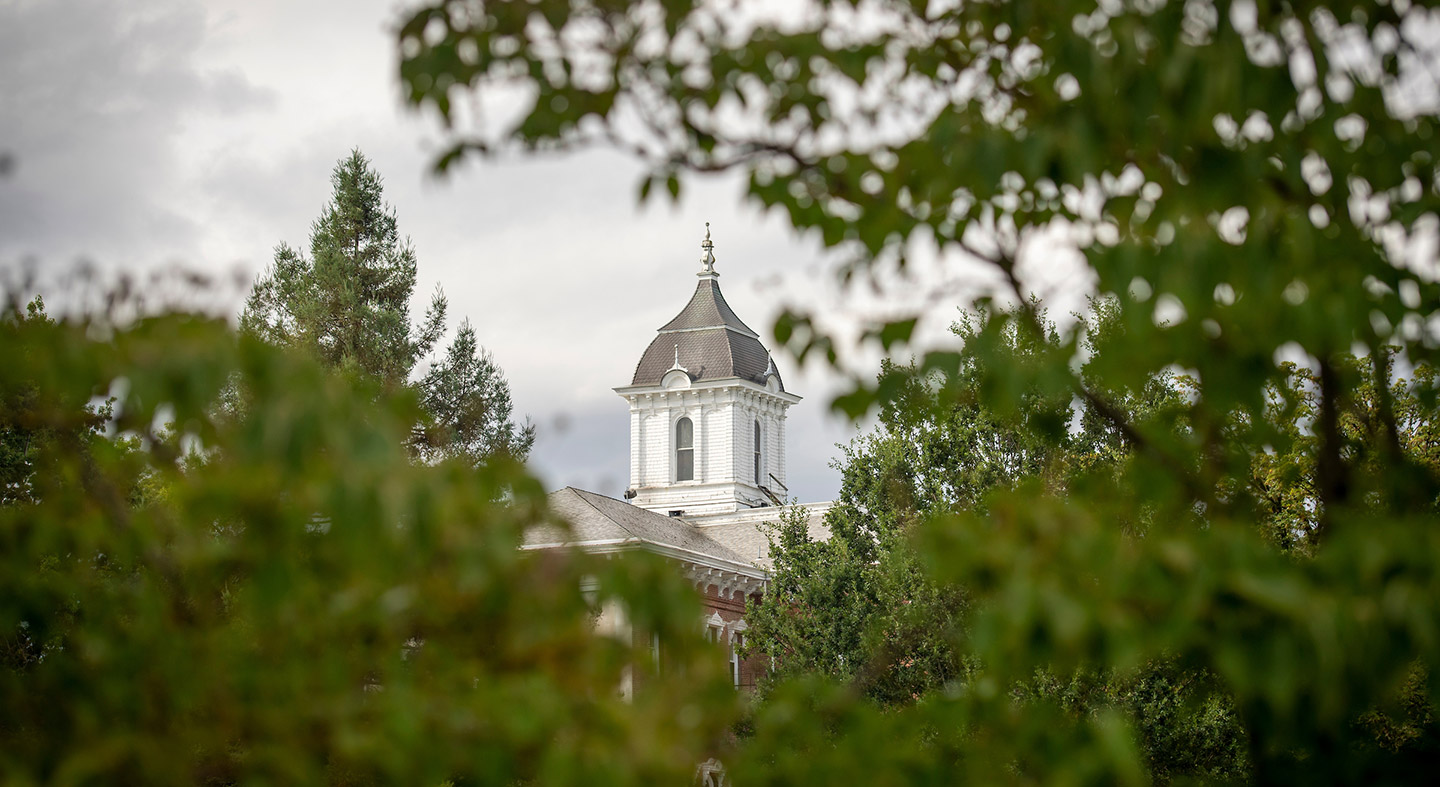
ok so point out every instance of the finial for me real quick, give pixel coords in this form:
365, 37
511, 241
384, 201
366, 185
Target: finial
707, 261
677, 365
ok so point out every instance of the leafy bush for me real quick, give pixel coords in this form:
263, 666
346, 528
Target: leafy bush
192, 597
1248, 183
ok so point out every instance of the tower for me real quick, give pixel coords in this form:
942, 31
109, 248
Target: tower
707, 411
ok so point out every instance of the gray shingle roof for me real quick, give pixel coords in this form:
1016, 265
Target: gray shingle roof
597, 518
707, 309
745, 531
710, 340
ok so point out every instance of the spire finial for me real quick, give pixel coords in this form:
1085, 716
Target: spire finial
707, 260
677, 365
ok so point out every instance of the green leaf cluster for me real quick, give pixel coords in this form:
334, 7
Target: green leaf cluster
348, 305
291, 598
861, 609
1251, 187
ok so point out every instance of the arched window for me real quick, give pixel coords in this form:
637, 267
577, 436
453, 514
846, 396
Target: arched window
759, 479
684, 450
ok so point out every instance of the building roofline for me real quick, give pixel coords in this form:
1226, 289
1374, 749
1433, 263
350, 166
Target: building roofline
720, 382
635, 539
753, 515
614, 545
749, 333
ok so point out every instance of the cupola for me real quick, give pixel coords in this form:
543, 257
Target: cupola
707, 411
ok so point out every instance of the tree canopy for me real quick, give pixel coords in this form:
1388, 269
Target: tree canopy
859, 607
293, 599
289, 597
1254, 185
348, 305
468, 401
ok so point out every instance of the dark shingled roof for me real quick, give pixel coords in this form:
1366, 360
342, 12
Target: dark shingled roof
712, 343
707, 309
597, 518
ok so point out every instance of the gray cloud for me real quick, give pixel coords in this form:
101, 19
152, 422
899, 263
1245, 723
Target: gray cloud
96, 94
147, 132
577, 448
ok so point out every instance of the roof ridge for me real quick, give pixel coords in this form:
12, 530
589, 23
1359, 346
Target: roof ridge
716, 549
733, 329
707, 300
729, 349
581, 493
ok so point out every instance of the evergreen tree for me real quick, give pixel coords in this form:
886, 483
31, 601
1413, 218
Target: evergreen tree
348, 305
469, 401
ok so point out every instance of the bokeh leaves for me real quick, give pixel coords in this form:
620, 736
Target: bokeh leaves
278, 593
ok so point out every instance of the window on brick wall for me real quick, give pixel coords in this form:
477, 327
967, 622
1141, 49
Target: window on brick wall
684, 450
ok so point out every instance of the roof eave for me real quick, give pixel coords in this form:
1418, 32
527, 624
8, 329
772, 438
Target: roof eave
719, 382
613, 545
721, 327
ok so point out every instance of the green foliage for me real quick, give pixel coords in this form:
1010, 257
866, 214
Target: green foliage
468, 403
1184, 724
1287, 482
32, 428
22, 434
1248, 184
348, 305
297, 601
859, 608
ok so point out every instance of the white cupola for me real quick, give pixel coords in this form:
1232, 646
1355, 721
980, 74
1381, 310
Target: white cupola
707, 411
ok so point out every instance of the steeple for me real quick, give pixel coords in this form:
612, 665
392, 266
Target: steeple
708, 334
706, 436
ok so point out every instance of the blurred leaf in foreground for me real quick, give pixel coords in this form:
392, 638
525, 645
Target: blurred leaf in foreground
294, 600
1254, 186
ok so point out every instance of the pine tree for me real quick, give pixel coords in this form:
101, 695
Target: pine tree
469, 401
348, 305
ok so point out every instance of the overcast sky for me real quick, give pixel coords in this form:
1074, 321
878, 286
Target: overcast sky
147, 134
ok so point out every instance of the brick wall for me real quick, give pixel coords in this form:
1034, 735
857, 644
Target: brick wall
732, 611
